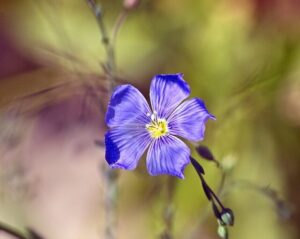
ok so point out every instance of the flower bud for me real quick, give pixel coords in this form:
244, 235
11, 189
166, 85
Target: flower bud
205, 153
130, 4
223, 232
227, 217
228, 162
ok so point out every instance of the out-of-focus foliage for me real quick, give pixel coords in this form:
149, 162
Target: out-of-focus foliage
241, 57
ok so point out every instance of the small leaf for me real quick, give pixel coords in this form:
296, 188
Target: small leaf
206, 190
197, 166
216, 211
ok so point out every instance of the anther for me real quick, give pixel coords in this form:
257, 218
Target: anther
152, 117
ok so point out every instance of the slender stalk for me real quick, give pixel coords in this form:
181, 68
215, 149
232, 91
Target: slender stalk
109, 176
97, 10
168, 213
222, 183
119, 22
110, 66
110, 201
213, 197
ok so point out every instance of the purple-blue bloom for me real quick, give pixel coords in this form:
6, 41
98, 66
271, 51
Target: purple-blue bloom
136, 126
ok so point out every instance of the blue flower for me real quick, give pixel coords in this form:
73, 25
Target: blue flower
135, 126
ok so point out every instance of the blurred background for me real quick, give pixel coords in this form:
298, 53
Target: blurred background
242, 57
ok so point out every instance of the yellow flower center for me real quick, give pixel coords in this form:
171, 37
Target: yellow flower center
157, 127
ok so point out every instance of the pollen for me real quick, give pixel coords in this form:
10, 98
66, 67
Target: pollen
157, 127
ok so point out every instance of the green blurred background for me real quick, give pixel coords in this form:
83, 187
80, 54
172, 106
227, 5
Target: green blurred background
241, 57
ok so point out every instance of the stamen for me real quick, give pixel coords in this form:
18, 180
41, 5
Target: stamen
157, 127
153, 117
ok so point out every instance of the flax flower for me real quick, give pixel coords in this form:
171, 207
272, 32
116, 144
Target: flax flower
134, 126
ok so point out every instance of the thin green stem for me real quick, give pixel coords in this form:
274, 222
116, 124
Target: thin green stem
168, 213
110, 66
222, 183
109, 176
118, 24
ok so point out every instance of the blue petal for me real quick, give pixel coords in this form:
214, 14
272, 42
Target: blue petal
167, 92
188, 120
125, 146
168, 155
127, 106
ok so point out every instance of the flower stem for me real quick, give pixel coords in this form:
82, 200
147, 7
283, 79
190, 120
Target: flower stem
110, 201
109, 176
110, 66
118, 24
168, 213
